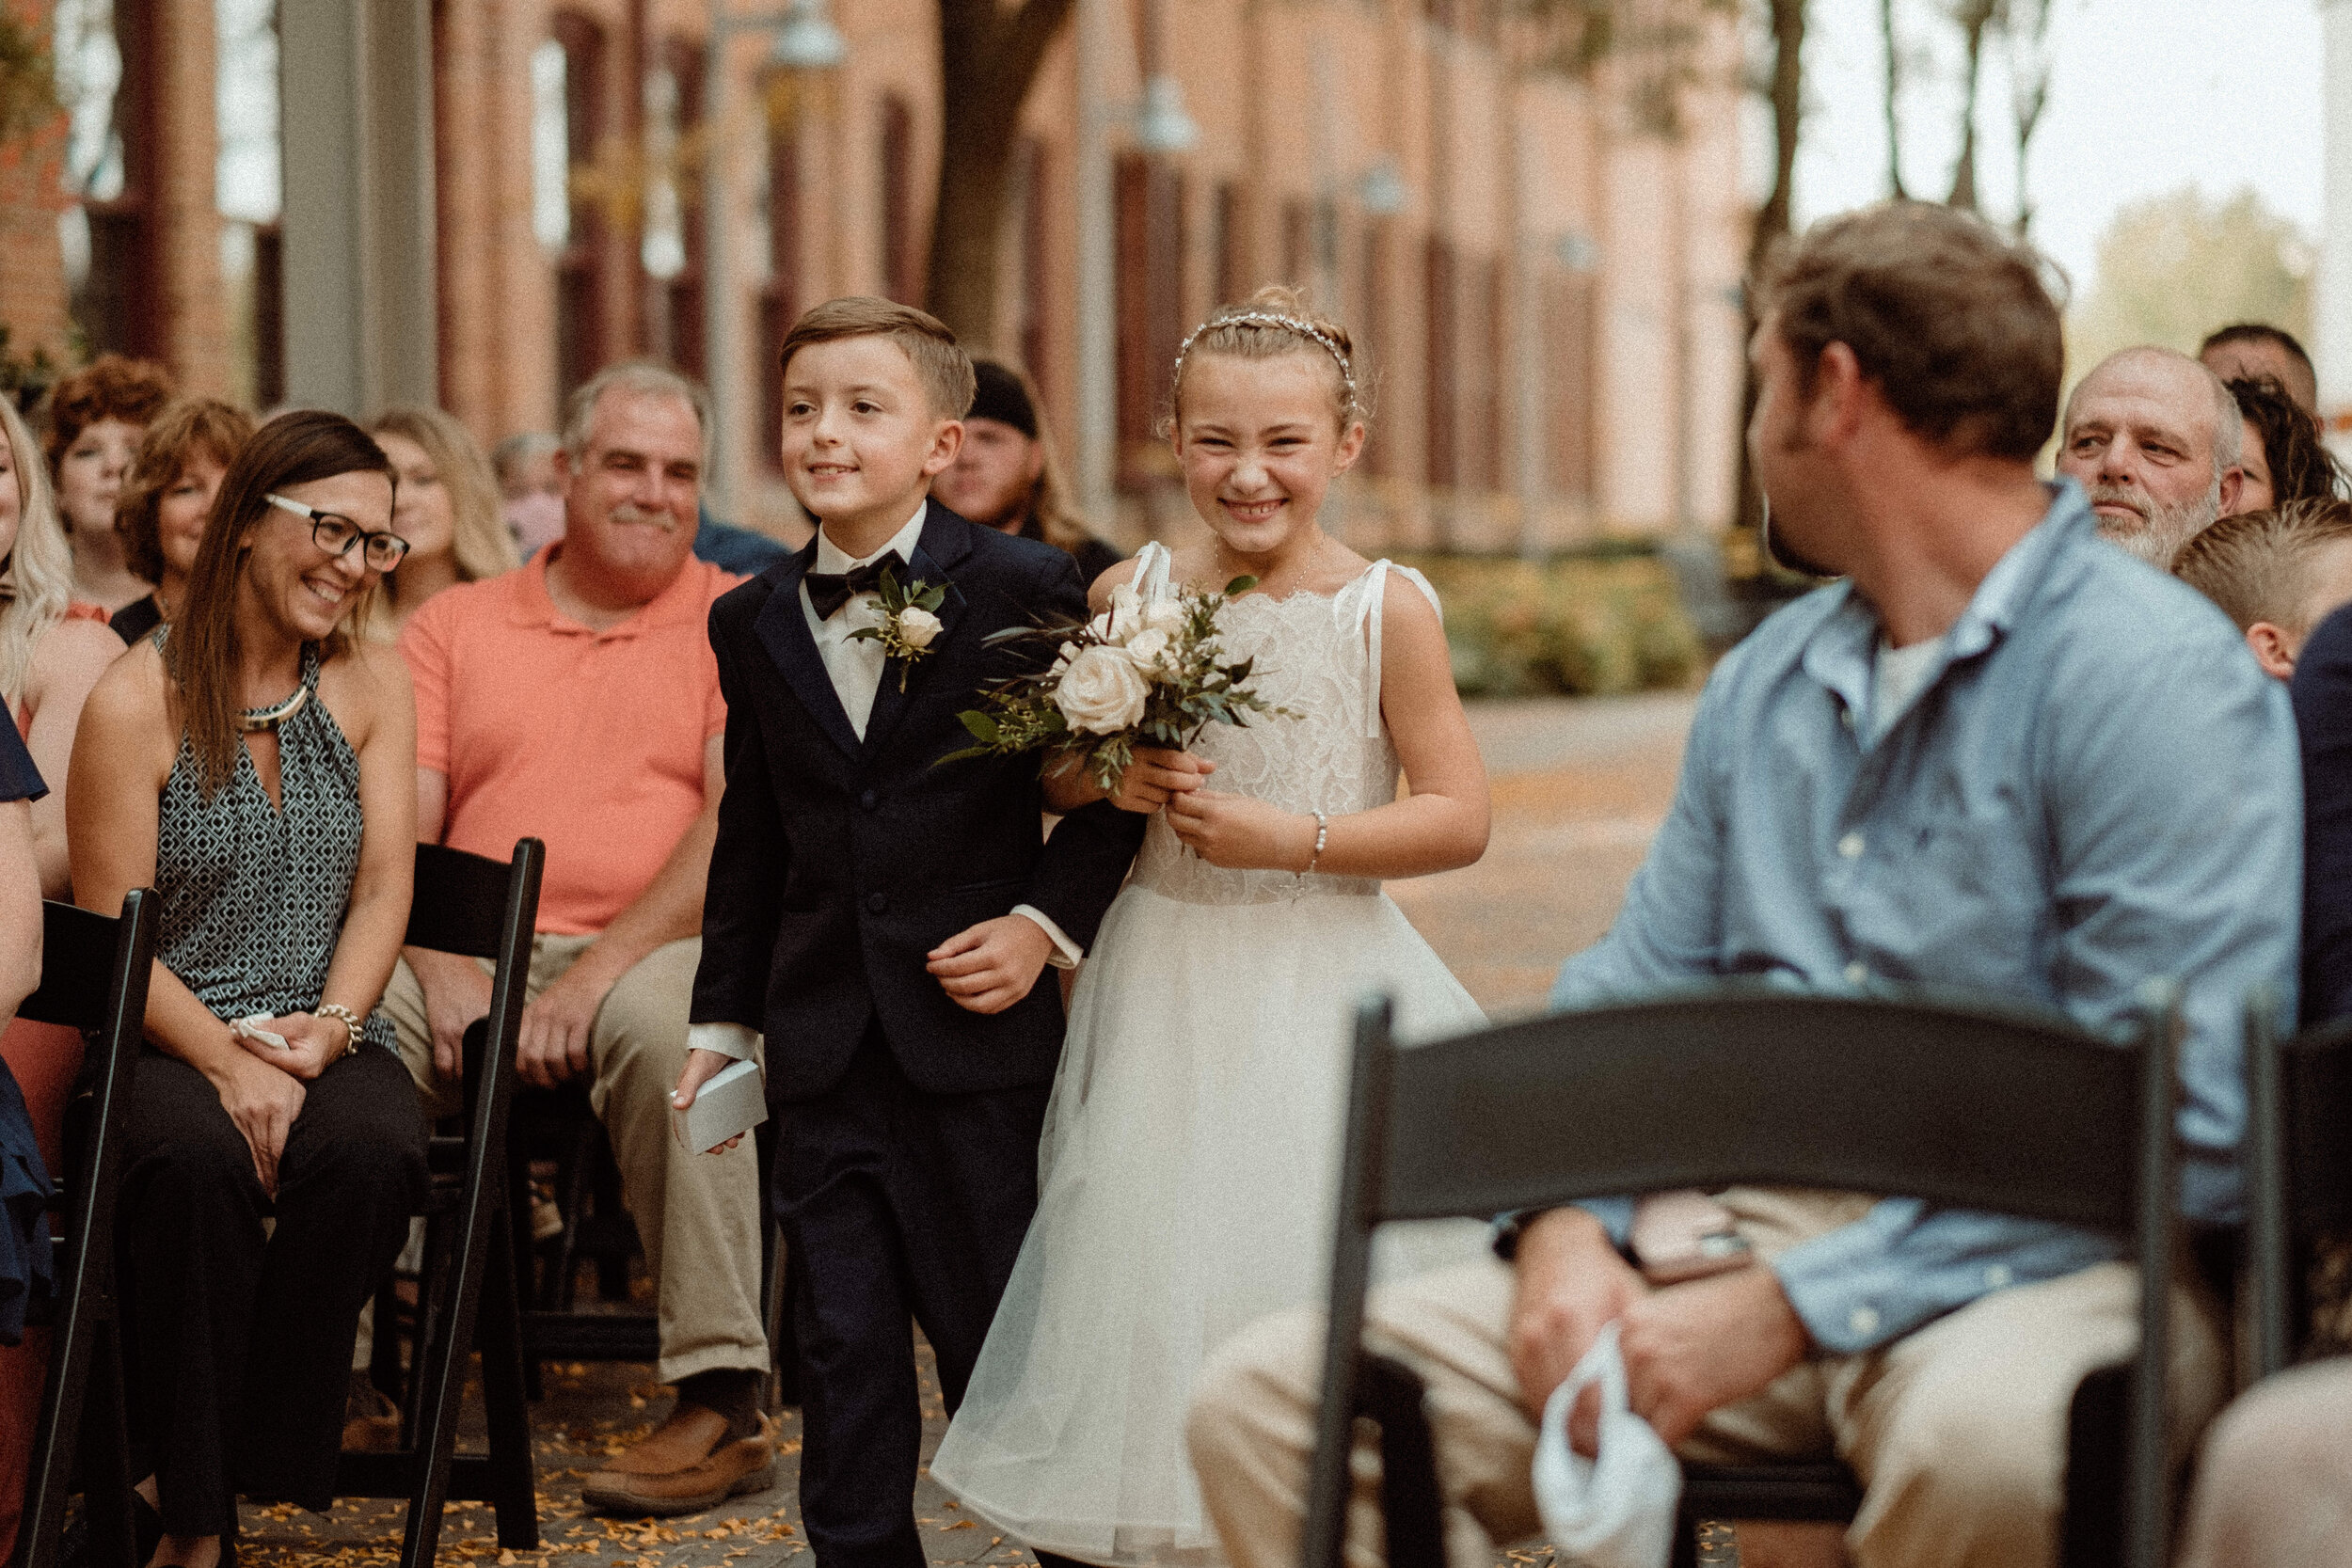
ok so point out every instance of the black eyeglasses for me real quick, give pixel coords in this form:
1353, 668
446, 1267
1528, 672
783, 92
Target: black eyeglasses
336, 533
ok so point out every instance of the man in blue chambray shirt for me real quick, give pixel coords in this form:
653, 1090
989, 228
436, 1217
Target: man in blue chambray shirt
2000, 755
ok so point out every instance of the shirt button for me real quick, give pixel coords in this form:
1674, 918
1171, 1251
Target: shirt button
1851, 847
869, 800
1863, 1320
1857, 973
1996, 1277
876, 903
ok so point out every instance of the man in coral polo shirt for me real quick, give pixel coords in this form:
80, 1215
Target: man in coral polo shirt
577, 700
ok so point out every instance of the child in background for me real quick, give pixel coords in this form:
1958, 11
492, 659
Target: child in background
2277, 574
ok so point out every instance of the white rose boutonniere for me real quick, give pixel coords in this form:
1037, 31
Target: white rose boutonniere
907, 623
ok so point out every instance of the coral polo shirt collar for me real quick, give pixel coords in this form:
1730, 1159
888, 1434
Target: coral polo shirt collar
534, 606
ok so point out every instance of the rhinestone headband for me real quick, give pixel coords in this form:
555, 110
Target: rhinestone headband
1280, 323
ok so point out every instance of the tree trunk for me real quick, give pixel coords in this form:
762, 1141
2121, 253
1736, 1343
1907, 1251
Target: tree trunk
2026, 24
1973, 16
1894, 92
989, 56
1771, 219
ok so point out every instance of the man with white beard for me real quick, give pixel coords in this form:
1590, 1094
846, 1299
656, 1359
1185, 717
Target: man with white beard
2153, 438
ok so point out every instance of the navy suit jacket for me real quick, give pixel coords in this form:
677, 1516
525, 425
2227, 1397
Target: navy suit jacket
2322, 690
842, 863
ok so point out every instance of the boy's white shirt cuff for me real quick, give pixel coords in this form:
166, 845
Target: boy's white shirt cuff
1065, 954
733, 1041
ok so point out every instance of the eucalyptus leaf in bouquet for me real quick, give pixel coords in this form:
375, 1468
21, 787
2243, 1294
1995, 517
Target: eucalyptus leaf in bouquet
1140, 673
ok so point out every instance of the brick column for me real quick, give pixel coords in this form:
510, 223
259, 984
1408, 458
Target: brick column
187, 218
33, 304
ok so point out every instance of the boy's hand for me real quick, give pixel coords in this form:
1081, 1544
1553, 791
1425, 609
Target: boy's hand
700, 1068
990, 966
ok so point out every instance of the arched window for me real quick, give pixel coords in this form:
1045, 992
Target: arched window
249, 191
579, 292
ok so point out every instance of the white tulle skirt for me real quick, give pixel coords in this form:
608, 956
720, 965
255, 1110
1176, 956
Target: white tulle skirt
1188, 1178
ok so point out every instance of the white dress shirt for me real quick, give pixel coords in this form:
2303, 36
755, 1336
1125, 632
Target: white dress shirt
854, 665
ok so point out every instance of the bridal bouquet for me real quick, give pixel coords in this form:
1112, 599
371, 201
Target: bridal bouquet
1138, 675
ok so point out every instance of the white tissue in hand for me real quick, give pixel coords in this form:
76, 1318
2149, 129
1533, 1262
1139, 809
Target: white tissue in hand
1616, 1510
252, 1029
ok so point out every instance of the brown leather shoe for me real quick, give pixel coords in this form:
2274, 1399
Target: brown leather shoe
686, 1466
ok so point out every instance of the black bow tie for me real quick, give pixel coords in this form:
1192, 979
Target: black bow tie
829, 593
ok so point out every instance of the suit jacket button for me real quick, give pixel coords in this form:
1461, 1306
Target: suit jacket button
869, 800
876, 903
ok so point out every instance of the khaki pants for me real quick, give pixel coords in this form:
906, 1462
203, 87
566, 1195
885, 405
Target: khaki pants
1958, 1431
2275, 1490
698, 1214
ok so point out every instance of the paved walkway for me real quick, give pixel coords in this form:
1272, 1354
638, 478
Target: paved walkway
1578, 788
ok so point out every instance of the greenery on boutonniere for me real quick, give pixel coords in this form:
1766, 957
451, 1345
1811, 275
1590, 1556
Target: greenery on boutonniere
909, 620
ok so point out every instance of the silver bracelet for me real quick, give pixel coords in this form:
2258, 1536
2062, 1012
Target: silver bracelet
1323, 835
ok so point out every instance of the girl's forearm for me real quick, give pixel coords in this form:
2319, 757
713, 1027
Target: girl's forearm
1412, 837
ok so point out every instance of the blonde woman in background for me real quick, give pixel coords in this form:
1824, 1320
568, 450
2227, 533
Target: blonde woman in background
49, 660
447, 508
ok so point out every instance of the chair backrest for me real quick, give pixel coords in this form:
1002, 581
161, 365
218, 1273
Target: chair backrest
1956, 1102
462, 900
2298, 1162
471, 905
94, 968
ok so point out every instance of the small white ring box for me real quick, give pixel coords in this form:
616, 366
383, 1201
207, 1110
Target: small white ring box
730, 1103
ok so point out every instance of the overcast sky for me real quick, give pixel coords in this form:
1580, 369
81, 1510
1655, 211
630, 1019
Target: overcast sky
2146, 96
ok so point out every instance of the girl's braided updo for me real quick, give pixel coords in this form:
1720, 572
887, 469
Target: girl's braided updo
1274, 320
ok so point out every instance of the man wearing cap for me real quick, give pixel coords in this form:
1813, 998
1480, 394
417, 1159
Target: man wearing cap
1006, 477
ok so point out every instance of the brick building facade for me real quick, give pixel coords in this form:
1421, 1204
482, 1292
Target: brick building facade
1544, 285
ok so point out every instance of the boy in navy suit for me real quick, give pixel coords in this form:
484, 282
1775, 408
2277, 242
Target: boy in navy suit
882, 921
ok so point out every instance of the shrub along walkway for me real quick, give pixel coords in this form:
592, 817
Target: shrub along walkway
1579, 787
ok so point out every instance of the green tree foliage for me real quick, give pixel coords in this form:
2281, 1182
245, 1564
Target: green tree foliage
2173, 267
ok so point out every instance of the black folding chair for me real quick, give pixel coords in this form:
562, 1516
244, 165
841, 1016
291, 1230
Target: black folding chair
1964, 1105
2298, 1170
93, 977
467, 905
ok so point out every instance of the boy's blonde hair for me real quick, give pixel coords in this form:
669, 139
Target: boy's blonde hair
1278, 319
2257, 565
940, 363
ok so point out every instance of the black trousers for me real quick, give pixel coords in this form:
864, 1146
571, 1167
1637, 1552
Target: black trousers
898, 1205
238, 1342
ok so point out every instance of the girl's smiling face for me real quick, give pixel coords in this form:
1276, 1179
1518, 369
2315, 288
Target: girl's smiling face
1259, 442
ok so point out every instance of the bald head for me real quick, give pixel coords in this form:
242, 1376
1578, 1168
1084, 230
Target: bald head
2153, 438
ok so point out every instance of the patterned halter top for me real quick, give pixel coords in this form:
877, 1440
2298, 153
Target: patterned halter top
254, 893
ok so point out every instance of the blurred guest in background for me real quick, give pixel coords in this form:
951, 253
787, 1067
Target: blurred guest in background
2153, 437
49, 660
256, 766
165, 501
531, 490
446, 506
2284, 457
96, 416
1005, 475
2260, 349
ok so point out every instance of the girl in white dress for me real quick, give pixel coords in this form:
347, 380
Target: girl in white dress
1190, 1164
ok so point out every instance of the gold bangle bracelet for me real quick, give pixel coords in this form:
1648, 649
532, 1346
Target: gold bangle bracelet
349, 1019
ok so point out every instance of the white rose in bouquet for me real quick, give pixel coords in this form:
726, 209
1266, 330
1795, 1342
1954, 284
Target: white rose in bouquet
1164, 615
1150, 649
917, 626
1123, 619
1102, 692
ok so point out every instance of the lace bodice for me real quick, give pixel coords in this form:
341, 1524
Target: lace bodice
1319, 656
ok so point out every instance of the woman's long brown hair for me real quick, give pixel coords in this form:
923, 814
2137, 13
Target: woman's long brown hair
201, 652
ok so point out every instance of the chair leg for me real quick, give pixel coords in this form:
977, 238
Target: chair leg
1685, 1551
443, 1338
499, 1331
106, 1445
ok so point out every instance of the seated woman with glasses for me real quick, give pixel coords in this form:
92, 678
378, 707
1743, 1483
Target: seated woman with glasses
255, 763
